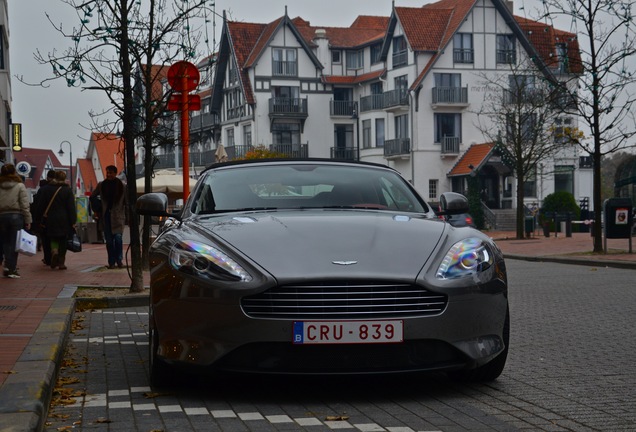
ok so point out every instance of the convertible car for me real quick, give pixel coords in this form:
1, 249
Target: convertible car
322, 267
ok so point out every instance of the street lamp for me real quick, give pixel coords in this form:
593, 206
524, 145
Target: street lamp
70, 157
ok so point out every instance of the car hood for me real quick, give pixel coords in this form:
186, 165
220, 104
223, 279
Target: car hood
330, 244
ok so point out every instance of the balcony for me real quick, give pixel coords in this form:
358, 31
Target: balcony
523, 96
341, 108
345, 153
450, 146
400, 59
287, 107
450, 96
204, 121
237, 151
297, 151
398, 147
373, 102
395, 99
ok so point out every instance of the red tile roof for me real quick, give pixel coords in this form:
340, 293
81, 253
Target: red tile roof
87, 177
339, 79
110, 150
545, 38
476, 155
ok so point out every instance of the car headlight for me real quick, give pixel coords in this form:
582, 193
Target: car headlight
466, 257
204, 260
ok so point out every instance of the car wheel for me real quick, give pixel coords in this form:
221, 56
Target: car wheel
160, 372
491, 370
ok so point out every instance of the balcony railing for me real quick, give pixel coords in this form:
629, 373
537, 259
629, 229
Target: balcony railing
298, 151
400, 59
345, 153
288, 106
450, 145
237, 151
508, 56
463, 55
524, 96
397, 147
341, 108
284, 68
450, 95
372, 102
394, 98
204, 121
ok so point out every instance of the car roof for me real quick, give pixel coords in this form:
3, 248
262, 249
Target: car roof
275, 161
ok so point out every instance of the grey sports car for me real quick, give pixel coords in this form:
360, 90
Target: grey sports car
322, 267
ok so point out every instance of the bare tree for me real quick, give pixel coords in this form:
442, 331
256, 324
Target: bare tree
517, 114
607, 39
110, 40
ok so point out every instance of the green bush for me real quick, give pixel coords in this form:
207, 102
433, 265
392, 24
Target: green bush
560, 202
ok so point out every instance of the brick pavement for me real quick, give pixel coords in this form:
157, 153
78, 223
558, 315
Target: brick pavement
36, 311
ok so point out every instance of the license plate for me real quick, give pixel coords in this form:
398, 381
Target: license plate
348, 332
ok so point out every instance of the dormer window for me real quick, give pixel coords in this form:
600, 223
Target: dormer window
336, 57
284, 62
463, 51
562, 58
355, 59
506, 49
400, 51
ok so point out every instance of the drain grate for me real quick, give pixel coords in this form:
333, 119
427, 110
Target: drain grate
7, 308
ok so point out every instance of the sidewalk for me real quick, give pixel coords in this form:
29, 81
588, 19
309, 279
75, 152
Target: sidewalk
36, 312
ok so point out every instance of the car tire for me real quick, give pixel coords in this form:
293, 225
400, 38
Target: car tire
160, 372
491, 370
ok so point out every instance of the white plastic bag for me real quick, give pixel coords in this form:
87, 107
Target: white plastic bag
26, 244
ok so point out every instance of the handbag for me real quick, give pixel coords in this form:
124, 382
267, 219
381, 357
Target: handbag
26, 243
74, 243
43, 220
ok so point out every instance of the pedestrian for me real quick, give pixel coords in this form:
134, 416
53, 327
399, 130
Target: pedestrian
14, 216
56, 208
111, 214
38, 227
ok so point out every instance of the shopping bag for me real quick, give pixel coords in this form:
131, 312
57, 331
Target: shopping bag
25, 243
74, 243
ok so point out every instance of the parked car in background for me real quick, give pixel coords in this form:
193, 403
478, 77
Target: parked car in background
460, 220
322, 267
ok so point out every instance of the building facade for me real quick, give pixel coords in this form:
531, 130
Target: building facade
403, 90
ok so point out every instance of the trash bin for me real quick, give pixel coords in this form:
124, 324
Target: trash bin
546, 229
529, 225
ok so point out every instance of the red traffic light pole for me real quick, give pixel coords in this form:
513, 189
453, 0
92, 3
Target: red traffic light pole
184, 77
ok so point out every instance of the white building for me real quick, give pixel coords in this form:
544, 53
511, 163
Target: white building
401, 90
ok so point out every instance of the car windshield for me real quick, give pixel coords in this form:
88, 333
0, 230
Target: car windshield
301, 186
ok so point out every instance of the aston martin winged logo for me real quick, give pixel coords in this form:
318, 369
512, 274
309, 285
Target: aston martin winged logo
344, 263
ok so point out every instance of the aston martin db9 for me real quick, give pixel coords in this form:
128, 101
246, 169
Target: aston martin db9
322, 267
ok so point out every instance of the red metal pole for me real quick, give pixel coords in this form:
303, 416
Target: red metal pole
185, 138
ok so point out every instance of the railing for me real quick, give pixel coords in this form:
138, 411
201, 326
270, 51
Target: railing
298, 151
345, 153
400, 59
506, 56
204, 121
463, 55
284, 68
490, 218
237, 151
450, 145
394, 98
451, 95
341, 108
372, 102
280, 105
523, 96
397, 147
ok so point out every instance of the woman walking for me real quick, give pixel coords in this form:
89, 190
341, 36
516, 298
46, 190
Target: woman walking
61, 217
14, 215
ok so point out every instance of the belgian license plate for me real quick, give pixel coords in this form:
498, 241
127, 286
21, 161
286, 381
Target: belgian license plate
348, 332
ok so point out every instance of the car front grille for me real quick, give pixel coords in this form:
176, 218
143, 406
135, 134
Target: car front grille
344, 301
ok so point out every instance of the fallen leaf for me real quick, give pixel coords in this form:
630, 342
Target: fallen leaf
103, 420
337, 418
151, 395
9, 372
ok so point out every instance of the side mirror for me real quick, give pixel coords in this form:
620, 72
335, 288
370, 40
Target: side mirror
453, 203
153, 204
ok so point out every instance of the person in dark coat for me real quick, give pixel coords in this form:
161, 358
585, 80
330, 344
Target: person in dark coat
111, 214
61, 217
36, 226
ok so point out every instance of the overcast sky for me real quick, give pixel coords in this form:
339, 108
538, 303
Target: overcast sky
52, 115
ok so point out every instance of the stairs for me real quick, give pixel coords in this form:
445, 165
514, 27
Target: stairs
506, 219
